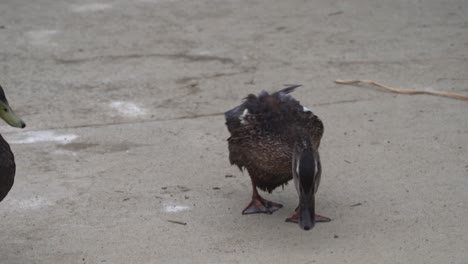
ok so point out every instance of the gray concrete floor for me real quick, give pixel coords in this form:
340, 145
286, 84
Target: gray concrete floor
123, 101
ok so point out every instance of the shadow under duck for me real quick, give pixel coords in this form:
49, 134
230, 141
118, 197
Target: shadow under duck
7, 160
277, 139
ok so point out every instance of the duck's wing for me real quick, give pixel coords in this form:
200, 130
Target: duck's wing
302, 116
312, 124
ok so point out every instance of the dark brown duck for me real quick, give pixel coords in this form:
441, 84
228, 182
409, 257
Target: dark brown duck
277, 139
7, 160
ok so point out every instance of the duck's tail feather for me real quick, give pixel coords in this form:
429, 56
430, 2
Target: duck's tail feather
288, 89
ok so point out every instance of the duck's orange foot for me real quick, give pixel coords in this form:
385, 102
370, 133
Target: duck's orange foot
295, 218
261, 206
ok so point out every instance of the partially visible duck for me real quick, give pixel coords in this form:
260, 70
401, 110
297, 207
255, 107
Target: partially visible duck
7, 160
277, 139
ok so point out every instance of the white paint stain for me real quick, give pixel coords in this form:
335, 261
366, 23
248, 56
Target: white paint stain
26, 204
41, 136
90, 7
174, 208
63, 152
42, 37
127, 108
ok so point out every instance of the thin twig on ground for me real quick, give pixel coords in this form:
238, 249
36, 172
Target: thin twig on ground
177, 222
403, 91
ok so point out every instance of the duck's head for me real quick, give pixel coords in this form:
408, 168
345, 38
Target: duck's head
7, 114
306, 173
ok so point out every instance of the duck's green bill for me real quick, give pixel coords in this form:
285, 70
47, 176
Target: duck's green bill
7, 114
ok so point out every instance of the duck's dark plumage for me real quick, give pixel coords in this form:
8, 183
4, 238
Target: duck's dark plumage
276, 139
7, 160
7, 168
264, 129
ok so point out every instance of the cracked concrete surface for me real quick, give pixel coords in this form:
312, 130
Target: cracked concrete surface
124, 158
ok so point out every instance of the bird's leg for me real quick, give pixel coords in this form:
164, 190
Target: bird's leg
294, 218
260, 205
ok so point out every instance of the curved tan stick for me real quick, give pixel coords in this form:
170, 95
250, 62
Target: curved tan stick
402, 91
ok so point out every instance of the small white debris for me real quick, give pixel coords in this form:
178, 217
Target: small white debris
174, 208
305, 109
128, 108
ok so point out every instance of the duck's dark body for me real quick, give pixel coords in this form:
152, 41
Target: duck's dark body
7, 160
262, 139
7, 168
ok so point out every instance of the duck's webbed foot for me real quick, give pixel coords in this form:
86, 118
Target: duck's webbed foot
259, 205
294, 218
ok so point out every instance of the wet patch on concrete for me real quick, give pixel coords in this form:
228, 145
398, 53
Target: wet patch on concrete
43, 37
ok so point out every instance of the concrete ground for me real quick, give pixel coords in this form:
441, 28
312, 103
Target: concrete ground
124, 100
